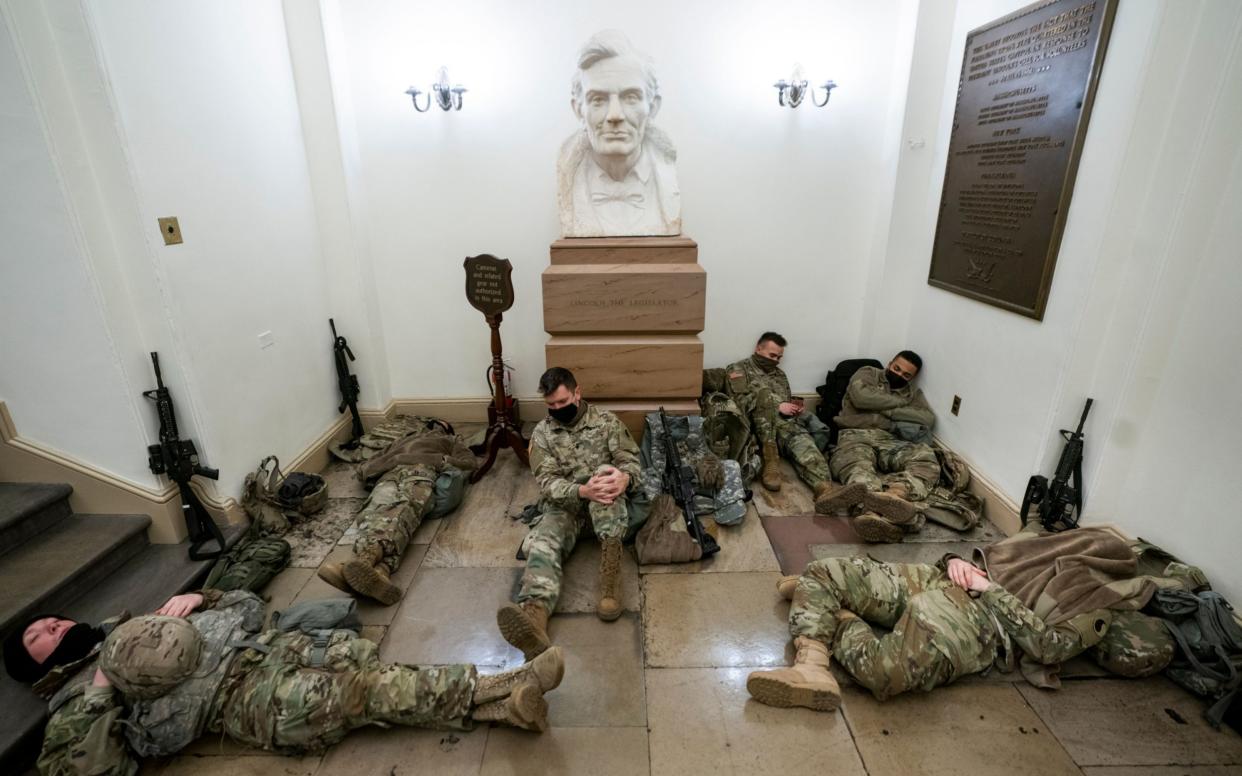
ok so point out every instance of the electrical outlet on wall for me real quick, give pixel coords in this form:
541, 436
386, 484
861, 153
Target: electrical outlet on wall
957, 404
171, 230
266, 340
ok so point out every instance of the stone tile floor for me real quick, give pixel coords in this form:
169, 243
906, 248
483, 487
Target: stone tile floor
662, 690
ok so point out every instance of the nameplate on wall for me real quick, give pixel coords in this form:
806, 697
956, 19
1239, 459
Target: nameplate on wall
1027, 86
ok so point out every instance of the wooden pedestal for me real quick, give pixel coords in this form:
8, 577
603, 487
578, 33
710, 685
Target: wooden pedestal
624, 314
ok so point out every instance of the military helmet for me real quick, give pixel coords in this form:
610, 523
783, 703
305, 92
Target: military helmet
148, 656
1135, 645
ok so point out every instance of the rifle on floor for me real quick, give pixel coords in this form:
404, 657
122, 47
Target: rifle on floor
680, 481
177, 458
1059, 501
346, 382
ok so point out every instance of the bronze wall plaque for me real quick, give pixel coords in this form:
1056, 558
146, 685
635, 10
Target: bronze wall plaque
489, 284
1027, 85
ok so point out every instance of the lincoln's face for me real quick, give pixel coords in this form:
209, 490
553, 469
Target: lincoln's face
616, 106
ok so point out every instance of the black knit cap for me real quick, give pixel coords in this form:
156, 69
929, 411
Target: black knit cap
18, 662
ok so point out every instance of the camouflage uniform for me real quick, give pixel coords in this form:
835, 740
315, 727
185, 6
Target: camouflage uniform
408, 457
393, 512
759, 395
562, 457
876, 421
939, 632
273, 693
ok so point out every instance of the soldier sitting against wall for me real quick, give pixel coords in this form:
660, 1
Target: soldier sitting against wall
883, 456
760, 389
587, 467
1031, 600
149, 686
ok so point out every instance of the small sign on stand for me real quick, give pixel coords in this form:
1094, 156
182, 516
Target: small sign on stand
489, 289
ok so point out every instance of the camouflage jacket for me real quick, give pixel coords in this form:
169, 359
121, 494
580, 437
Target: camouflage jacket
90, 726
745, 376
563, 457
871, 403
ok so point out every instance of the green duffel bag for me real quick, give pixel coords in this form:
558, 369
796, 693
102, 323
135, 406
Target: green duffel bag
450, 489
250, 565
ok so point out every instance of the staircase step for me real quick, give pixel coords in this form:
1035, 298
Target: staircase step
28, 508
141, 585
58, 565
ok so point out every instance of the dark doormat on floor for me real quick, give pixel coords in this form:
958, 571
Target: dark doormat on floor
793, 535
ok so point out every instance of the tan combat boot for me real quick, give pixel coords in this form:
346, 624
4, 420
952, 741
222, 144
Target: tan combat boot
892, 503
609, 607
875, 528
807, 683
831, 498
787, 585
334, 574
545, 671
770, 475
368, 576
525, 626
523, 708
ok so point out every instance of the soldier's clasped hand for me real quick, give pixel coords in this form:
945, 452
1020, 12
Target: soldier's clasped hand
968, 576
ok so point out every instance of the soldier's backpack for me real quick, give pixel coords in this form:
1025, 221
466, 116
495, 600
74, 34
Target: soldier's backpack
664, 538
832, 392
250, 565
450, 489
1209, 642
273, 512
726, 430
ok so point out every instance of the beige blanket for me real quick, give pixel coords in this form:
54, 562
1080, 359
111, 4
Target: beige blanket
1062, 575
433, 449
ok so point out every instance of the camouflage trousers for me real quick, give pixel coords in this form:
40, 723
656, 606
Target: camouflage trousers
876, 458
798, 446
554, 537
761, 409
394, 511
285, 701
795, 443
939, 632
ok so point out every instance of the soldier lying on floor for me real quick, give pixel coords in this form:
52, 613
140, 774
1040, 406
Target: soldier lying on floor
1014, 604
149, 686
411, 457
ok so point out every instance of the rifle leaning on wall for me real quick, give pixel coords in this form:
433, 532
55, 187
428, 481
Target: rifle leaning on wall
347, 383
679, 479
1059, 502
178, 458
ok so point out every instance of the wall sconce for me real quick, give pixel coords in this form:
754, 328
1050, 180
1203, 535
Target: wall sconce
792, 92
447, 97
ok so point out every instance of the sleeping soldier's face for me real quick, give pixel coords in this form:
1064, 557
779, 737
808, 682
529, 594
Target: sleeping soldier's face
42, 637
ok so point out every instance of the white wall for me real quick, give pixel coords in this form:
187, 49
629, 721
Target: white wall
205, 98
783, 203
1149, 253
59, 372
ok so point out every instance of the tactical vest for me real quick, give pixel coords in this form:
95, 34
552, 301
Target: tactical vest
726, 504
165, 725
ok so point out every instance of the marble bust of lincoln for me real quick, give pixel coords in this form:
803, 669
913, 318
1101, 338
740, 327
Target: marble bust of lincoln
616, 174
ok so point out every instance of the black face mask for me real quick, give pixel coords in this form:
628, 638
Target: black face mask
76, 644
895, 381
765, 363
564, 414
